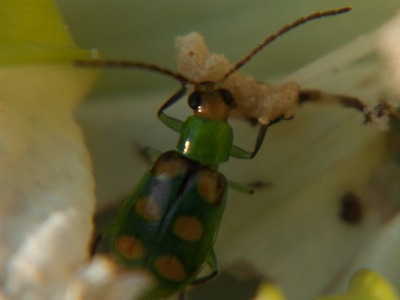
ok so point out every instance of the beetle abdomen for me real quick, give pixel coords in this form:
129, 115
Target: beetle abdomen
168, 225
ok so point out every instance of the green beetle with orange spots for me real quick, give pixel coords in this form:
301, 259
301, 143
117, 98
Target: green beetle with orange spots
168, 225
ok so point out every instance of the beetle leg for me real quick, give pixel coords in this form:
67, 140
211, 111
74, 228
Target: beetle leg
213, 265
169, 121
95, 244
241, 153
240, 187
98, 244
148, 154
181, 296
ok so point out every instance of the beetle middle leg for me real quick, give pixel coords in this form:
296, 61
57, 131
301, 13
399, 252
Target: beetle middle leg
147, 154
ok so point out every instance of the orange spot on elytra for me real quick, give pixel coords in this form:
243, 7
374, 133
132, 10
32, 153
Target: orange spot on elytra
188, 228
169, 165
148, 209
211, 186
170, 267
129, 247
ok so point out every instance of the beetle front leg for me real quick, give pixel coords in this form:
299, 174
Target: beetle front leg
169, 121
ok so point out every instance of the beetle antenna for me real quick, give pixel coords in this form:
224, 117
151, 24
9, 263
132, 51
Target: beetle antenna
280, 32
132, 65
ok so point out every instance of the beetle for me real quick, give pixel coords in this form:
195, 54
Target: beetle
168, 224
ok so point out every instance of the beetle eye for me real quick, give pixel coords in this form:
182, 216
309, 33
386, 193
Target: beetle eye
227, 97
194, 100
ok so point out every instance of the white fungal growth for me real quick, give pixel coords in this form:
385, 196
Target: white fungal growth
102, 279
254, 99
47, 189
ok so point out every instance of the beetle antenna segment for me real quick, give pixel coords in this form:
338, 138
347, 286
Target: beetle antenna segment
280, 32
384, 108
132, 65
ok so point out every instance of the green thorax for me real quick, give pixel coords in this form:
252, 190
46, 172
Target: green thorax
205, 140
